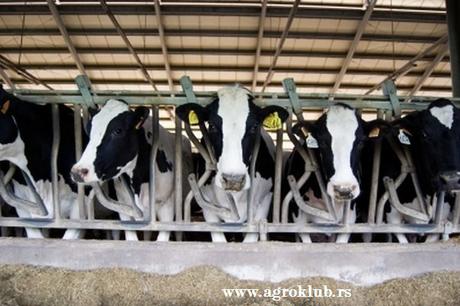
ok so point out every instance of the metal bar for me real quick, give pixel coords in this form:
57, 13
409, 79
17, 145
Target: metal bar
7, 79
443, 50
456, 211
153, 158
332, 12
281, 41
164, 49
260, 36
410, 64
178, 172
252, 174
416, 39
54, 160
122, 208
278, 176
65, 35
453, 26
354, 45
227, 227
78, 151
6, 63
84, 86
212, 51
128, 44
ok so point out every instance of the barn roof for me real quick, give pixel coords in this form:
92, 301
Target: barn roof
216, 42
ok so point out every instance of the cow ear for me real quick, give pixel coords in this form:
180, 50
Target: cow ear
140, 115
192, 113
376, 128
5, 107
273, 117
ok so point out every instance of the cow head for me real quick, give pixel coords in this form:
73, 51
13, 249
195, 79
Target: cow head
434, 136
339, 135
113, 145
233, 124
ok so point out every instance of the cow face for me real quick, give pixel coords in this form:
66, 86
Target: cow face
340, 134
113, 145
434, 135
233, 123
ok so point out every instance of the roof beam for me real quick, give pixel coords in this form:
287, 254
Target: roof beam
410, 64
18, 69
65, 35
443, 50
228, 10
421, 39
128, 44
281, 41
164, 49
212, 51
6, 79
164, 82
229, 68
263, 14
354, 45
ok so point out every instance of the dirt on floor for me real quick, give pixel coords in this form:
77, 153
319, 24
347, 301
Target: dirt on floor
26, 285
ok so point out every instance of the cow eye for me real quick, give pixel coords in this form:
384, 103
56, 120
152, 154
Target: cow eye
117, 131
253, 129
212, 128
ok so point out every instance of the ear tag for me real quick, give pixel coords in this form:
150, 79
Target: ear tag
312, 142
193, 118
375, 132
403, 138
273, 122
5, 107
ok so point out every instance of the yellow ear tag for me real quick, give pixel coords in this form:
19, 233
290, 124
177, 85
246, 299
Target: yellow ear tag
5, 107
374, 132
193, 118
273, 122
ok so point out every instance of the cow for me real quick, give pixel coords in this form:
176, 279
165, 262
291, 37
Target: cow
26, 133
434, 142
337, 137
119, 144
233, 123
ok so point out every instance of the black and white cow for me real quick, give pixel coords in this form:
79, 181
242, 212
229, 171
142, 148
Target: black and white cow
25, 140
119, 144
434, 136
234, 122
338, 135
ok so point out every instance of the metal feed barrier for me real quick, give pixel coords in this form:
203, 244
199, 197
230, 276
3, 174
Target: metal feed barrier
387, 106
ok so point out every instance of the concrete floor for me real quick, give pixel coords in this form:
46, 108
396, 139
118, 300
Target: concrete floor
361, 264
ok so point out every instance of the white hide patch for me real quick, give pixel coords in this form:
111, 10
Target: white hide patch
14, 153
234, 110
445, 115
342, 123
98, 128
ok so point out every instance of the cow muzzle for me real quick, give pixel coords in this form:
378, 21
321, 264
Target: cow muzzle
234, 182
78, 174
450, 180
344, 192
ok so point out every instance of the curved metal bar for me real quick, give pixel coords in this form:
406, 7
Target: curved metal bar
151, 214
394, 200
289, 196
189, 197
10, 198
222, 212
9, 174
439, 207
304, 207
384, 198
122, 208
77, 121
30, 185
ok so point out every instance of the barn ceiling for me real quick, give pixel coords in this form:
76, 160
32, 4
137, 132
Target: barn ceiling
216, 42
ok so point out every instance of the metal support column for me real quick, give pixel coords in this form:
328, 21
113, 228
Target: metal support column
453, 25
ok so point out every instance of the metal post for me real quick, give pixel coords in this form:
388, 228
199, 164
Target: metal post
152, 168
178, 171
54, 161
453, 25
278, 174
78, 149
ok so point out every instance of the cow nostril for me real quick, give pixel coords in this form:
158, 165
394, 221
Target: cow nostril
84, 171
